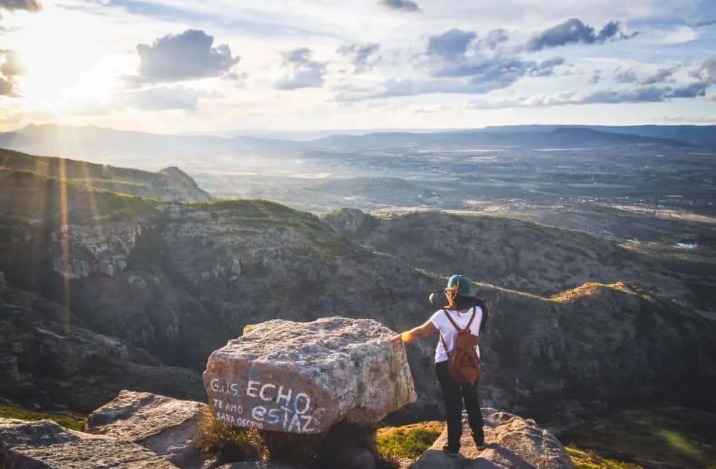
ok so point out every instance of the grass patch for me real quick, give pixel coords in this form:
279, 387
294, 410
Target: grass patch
590, 460
409, 441
67, 421
231, 443
673, 436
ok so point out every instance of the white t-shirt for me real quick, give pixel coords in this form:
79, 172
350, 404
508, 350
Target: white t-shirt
448, 331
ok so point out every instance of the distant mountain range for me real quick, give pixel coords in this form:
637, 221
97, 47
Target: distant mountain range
91, 142
94, 143
534, 137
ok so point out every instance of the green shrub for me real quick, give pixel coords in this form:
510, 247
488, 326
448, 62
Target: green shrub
231, 443
407, 442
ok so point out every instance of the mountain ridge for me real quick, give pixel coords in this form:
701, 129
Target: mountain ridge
169, 184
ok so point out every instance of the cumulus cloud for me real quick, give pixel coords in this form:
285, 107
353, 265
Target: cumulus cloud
625, 75
451, 44
457, 43
363, 56
459, 62
707, 71
474, 78
400, 5
7, 87
300, 70
505, 69
652, 94
595, 77
29, 5
661, 76
10, 68
574, 31
10, 64
494, 38
184, 56
645, 94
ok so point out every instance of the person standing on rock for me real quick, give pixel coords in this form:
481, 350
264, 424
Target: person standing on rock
464, 307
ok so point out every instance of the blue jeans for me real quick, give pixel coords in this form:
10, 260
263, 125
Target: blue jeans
455, 395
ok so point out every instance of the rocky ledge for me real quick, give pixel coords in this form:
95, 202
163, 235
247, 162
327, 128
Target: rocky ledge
166, 426
142, 430
512, 442
46, 445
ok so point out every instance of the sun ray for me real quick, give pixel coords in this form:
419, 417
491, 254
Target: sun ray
65, 243
40, 209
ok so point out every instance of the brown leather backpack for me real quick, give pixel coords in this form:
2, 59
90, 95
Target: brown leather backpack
463, 362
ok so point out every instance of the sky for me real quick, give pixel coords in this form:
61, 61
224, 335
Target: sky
206, 66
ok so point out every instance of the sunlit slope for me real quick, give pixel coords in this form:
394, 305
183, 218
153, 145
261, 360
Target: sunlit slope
523, 255
168, 184
32, 197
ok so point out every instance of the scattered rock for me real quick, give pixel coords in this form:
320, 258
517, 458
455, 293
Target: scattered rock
513, 442
46, 445
168, 427
304, 377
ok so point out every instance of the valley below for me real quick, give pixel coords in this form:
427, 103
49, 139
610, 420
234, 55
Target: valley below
595, 248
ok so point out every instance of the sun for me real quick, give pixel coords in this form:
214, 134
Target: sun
62, 66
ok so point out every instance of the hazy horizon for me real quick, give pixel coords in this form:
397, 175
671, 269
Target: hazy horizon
308, 134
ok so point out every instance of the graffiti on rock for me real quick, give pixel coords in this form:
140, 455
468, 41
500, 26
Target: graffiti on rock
279, 407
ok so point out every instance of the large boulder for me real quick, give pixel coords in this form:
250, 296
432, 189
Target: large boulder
304, 377
46, 445
168, 427
513, 442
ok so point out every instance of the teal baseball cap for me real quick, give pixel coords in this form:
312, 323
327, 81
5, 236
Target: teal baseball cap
463, 285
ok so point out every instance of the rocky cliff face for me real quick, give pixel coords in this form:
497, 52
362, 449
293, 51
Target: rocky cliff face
45, 361
184, 279
100, 250
591, 346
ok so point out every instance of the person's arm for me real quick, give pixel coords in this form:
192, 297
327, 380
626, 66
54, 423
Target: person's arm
415, 333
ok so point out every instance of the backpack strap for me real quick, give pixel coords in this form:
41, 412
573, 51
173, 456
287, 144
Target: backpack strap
472, 318
444, 345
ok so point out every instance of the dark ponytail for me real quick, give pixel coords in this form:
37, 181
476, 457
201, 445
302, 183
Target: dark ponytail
482, 303
465, 302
